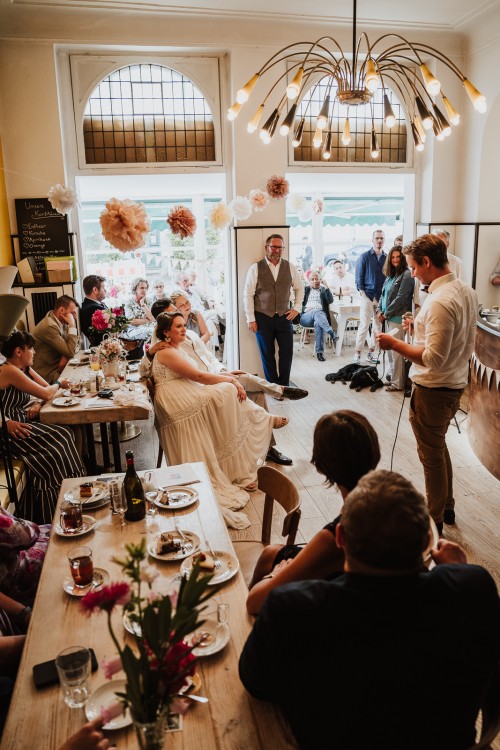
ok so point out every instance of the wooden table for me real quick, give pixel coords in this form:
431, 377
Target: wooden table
79, 415
344, 311
231, 720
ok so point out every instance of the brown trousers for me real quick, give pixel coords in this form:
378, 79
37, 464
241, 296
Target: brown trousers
431, 411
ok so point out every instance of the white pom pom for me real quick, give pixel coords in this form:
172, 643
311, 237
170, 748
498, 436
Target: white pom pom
259, 199
305, 214
242, 208
62, 199
296, 203
220, 216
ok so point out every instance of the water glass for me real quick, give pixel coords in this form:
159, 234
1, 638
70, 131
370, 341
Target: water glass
81, 566
151, 492
122, 371
73, 668
216, 616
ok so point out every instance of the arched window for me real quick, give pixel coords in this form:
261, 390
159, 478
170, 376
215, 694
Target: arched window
147, 113
391, 142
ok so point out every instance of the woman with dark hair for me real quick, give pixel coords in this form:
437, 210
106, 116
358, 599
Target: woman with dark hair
345, 448
395, 300
48, 451
206, 417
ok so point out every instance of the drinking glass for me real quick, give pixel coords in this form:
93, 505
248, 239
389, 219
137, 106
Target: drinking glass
216, 616
120, 503
94, 362
75, 387
81, 566
151, 492
122, 371
73, 668
71, 518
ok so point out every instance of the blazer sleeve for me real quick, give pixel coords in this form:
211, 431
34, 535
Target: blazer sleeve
403, 298
52, 337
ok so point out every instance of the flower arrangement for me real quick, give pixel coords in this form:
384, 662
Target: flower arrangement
108, 321
125, 224
181, 221
109, 350
165, 658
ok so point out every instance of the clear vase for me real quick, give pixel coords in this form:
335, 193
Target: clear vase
151, 734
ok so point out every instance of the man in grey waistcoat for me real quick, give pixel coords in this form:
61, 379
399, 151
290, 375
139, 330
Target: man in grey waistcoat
267, 307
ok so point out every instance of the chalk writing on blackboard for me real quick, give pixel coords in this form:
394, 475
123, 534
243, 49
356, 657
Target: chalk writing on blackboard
42, 231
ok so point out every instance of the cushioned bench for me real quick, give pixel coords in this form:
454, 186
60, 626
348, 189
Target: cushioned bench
19, 475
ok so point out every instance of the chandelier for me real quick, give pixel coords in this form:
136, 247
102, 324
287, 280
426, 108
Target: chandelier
353, 82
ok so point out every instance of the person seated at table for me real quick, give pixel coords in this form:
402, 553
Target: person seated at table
14, 621
94, 288
193, 318
341, 282
56, 338
138, 313
345, 448
206, 417
23, 545
48, 451
395, 300
158, 290
316, 312
356, 658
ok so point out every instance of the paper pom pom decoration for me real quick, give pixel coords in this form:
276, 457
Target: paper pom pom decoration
242, 208
318, 206
62, 198
181, 221
125, 224
277, 187
259, 199
220, 216
296, 203
306, 213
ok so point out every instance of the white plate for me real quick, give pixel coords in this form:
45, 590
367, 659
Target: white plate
101, 698
180, 554
180, 497
88, 524
133, 367
70, 587
228, 569
132, 627
221, 640
100, 491
64, 402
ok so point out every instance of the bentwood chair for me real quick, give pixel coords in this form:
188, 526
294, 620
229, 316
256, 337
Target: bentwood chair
277, 488
490, 714
151, 390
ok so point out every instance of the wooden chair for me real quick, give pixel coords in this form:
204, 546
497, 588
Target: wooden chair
490, 711
277, 487
151, 390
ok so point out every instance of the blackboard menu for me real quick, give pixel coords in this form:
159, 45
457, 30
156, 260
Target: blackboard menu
42, 230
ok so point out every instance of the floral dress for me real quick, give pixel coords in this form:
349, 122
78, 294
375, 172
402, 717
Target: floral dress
23, 545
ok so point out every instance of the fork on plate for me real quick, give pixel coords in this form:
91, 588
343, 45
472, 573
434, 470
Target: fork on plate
217, 562
186, 544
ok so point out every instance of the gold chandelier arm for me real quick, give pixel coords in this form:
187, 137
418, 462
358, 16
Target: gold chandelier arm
295, 50
416, 48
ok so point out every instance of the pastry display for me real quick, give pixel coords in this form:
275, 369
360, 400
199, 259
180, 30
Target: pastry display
86, 489
167, 542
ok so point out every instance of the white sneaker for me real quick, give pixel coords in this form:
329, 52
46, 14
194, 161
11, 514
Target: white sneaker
372, 357
357, 358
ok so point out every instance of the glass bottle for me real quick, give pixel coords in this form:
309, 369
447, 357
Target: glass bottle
133, 491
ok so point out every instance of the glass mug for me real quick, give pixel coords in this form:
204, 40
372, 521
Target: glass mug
71, 518
216, 616
75, 387
81, 566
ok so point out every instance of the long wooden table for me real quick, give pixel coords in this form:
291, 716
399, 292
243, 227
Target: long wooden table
231, 720
87, 417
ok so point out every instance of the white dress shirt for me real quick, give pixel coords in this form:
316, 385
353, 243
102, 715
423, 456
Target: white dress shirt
251, 284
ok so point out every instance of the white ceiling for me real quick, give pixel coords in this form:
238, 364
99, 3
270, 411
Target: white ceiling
445, 14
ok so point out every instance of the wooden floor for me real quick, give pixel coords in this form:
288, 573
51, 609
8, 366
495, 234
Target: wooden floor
477, 492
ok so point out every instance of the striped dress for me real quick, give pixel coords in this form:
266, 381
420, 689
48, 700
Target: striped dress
50, 456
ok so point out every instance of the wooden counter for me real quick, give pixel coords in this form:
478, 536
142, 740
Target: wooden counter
484, 401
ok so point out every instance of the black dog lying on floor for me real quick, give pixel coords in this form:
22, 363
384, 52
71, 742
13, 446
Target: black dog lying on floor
360, 376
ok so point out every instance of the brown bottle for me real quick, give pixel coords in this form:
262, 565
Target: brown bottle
134, 493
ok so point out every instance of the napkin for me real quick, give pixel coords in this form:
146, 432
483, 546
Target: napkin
124, 397
97, 403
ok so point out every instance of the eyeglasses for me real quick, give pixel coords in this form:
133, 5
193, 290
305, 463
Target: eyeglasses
277, 247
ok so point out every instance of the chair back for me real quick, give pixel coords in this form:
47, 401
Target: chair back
279, 488
490, 710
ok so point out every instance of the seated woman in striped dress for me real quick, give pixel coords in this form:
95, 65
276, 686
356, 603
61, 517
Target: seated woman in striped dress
48, 451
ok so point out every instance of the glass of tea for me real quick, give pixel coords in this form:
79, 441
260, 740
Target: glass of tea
71, 517
122, 371
81, 566
75, 387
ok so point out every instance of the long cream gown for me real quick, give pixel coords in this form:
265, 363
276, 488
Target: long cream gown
208, 423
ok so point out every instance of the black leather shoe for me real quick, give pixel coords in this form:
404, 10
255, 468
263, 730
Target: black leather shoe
276, 457
294, 394
439, 527
321, 357
449, 517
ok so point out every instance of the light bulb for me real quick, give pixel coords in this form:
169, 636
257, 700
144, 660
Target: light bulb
420, 128
417, 140
322, 120
297, 136
389, 117
452, 113
244, 93
432, 85
254, 122
233, 111
346, 135
288, 121
265, 137
327, 150
372, 78
318, 137
478, 100
374, 146
293, 88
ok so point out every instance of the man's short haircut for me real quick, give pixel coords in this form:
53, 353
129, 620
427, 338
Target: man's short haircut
274, 237
377, 230
345, 447
64, 301
160, 306
92, 281
385, 522
439, 231
430, 246
338, 260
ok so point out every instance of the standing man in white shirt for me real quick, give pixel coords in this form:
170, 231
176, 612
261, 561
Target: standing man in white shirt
445, 330
267, 306
455, 263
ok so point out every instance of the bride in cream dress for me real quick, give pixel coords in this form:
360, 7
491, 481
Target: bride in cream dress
206, 417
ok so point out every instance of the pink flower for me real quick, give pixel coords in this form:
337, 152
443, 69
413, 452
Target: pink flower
100, 320
111, 666
176, 660
5, 521
108, 713
118, 310
148, 573
107, 598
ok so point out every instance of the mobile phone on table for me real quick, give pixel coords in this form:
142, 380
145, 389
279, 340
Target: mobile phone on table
45, 674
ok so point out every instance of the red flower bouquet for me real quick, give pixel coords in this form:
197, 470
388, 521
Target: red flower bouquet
109, 321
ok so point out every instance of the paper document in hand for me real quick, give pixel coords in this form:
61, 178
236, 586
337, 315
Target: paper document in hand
178, 476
